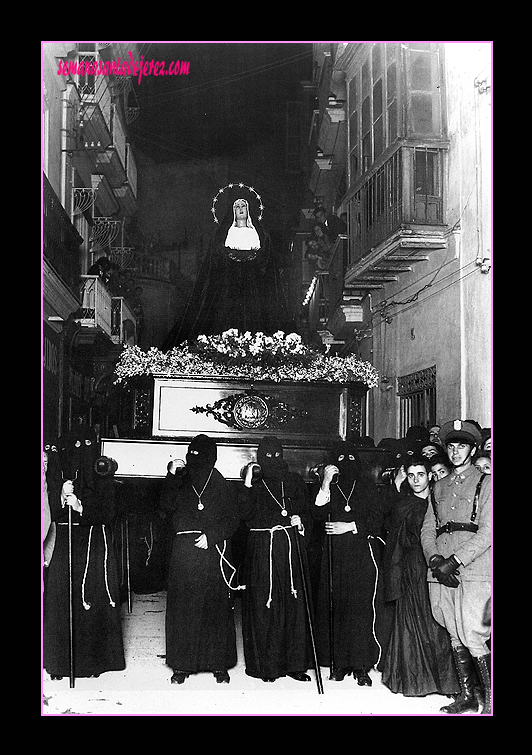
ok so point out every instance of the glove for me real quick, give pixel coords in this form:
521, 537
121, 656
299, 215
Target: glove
445, 570
451, 581
176, 466
252, 472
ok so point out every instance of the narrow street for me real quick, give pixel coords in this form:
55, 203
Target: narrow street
144, 688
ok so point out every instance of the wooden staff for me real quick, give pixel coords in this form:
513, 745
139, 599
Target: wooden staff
308, 608
128, 577
70, 593
331, 600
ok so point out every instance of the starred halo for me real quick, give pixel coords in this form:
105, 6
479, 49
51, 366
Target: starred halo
241, 186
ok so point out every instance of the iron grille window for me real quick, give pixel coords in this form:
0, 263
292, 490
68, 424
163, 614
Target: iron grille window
417, 399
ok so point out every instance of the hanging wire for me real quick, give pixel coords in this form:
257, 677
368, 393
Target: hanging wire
413, 300
218, 83
383, 306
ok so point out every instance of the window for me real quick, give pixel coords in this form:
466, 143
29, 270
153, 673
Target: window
393, 78
373, 108
392, 110
377, 101
417, 399
354, 145
424, 90
428, 191
45, 136
293, 146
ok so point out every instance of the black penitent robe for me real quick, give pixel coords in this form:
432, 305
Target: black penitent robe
356, 584
147, 537
200, 629
418, 660
97, 629
275, 627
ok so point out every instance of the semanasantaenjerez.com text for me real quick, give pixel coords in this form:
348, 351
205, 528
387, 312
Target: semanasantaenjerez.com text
123, 68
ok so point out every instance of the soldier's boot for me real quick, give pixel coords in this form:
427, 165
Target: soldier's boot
483, 666
467, 700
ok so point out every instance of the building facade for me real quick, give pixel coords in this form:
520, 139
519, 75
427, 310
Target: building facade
399, 146
89, 195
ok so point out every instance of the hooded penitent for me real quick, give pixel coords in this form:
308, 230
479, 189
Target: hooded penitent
53, 473
270, 458
345, 457
78, 453
201, 458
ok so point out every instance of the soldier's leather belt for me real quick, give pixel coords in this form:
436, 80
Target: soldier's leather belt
456, 527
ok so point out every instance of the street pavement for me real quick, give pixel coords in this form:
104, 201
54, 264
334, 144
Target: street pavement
144, 688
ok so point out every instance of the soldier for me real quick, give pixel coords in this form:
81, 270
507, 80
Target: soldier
456, 541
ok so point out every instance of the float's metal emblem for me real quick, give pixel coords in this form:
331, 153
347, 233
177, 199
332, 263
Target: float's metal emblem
249, 411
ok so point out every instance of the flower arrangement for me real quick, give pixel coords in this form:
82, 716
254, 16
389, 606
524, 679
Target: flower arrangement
250, 356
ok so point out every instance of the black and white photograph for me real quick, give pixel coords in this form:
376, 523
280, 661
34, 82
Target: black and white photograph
266, 386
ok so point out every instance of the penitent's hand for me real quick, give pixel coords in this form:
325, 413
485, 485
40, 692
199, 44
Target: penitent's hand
329, 472
201, 541
338, 528
295, 521
175, 464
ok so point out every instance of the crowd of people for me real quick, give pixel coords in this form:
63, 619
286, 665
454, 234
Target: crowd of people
320, 243
358, 574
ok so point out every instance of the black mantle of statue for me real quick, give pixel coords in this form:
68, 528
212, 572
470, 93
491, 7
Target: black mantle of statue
235, 289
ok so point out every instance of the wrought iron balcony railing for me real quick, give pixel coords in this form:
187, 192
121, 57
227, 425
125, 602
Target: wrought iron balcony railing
123, 321
110, 314
95, 304
61, 241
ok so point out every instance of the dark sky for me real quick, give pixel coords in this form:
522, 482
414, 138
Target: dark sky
233, 96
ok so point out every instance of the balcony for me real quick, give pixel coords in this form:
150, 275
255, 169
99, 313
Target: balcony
395, 217
96, 307
329, 142
109, 164
61, 241
102, 130
332, 129
123, 322
156, 268
95, 134
103, 313
335, 309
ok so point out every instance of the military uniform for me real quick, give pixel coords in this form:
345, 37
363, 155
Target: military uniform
461, 610
456, 541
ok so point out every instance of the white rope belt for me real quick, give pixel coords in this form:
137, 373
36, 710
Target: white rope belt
86, 604
278, 528
370, 537
149, 545
222, 560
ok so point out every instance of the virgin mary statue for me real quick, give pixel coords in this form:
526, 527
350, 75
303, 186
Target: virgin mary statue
239, 284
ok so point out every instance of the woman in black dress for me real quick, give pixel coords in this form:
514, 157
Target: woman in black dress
418, 659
